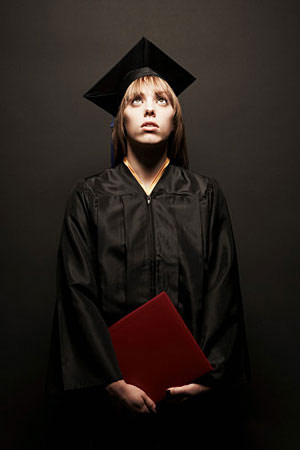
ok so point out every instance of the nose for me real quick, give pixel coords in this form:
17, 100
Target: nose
149, 112
149, 109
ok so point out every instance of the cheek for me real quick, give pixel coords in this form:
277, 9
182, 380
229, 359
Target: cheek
126, 123
129, 121
130, 125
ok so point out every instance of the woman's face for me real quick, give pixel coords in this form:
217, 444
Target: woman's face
148, 117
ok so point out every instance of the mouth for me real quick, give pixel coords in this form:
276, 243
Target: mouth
149, 125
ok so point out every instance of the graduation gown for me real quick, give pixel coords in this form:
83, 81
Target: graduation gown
120, 247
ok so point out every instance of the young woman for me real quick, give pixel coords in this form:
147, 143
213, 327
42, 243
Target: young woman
148, 225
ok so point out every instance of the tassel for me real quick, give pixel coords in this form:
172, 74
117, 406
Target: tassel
112, 160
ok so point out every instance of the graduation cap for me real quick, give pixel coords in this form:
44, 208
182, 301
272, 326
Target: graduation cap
143, 59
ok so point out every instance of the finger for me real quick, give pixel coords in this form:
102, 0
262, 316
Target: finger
143, 410
137, 409
179, 390
149, 403
205, 388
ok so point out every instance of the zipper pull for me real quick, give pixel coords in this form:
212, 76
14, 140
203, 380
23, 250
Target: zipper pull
148, 199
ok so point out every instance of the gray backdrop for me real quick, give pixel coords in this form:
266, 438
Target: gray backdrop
242, 124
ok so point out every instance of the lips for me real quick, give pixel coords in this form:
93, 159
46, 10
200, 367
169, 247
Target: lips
149, 124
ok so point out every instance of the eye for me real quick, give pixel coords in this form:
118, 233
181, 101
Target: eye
162, 100
137, 100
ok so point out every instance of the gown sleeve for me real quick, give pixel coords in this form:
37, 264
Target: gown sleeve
81, 341
223, 337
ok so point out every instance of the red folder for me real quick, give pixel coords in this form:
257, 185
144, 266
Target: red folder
155, 349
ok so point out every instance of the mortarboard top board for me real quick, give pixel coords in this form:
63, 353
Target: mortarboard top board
143, 59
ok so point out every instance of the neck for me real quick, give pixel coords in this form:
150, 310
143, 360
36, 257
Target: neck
146, 160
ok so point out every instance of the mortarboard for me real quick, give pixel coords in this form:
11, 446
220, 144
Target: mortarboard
143, 59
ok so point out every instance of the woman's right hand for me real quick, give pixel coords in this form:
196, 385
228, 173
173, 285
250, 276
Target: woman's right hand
130, 397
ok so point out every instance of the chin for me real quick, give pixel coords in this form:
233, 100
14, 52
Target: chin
151, 140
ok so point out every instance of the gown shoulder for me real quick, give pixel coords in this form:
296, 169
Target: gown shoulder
119, 181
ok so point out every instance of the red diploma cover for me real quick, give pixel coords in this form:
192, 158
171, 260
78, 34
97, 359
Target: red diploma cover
155, 349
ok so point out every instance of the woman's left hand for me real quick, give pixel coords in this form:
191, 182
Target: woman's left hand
180, 394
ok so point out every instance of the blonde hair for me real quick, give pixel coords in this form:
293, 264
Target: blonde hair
177, 151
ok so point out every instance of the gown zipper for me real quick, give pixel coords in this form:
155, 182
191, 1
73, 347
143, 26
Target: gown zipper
152, 246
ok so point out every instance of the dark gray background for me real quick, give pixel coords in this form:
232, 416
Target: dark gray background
242, 124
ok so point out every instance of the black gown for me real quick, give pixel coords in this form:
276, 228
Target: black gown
118, 249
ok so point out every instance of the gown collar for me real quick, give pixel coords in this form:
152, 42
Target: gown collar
148, 189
